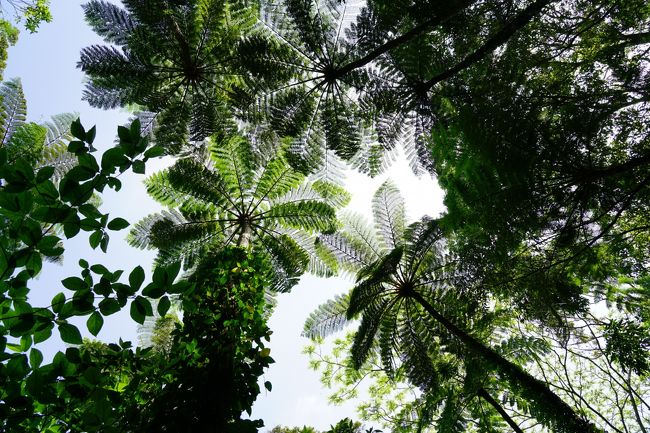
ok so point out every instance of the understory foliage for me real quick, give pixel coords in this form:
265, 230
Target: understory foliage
524, 306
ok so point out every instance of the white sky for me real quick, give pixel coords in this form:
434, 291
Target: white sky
46, 63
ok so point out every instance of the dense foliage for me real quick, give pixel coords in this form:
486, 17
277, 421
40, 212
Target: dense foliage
524, 306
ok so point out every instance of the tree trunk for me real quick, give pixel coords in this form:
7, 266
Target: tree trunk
495, 404
245, 236
546, 403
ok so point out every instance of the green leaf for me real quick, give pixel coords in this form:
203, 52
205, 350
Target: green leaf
77, 147
35, 358
163, 306
90, 135
124, 134
100, 269
268, 385
136, 277
135, 128
95, 238
95, 323
57, 302
48, 246
154, 152
24, 171
73, 355
138, 167
25, 343
30, 232
71, 229
44, 174
114, 157
153, 290
140, 308
118, 224
43, 334
80, 173
74, 283
77, 129
103, 244
172, 271
17, 367
69, 333
109, 306
90, 211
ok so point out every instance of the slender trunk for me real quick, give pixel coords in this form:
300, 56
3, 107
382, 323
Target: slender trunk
495, 404
393, 43
546, 402
245, 236
500, 38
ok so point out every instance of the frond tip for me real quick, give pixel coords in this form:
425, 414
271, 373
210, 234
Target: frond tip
328, 318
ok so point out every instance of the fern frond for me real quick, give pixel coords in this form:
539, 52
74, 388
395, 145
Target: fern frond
373, 158
109, 21
289, 260
308, 215
277, 179
195, 180
147, 122
371, 320
111, 65
387, 339
58, 129
328, 318
161, 189
356, 246
13, 108
424, 237
331, 169
337, 247
234, 164
318, 264
100, 97
333, 194
139, 236
389, 214
57, 156
342, 129
26, 141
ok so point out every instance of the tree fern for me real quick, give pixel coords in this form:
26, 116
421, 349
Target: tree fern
174, 59
292, 60
404, 299
238, 196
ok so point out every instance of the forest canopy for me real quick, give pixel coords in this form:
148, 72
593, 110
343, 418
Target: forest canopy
524, 306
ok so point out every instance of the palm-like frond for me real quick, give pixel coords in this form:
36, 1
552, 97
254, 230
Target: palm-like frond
293, 59
55, 150
237, 196
109, 21
354, 247
172, 58
389, 214
13, 109
328, 318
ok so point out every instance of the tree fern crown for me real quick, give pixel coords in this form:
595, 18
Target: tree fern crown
238, 196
